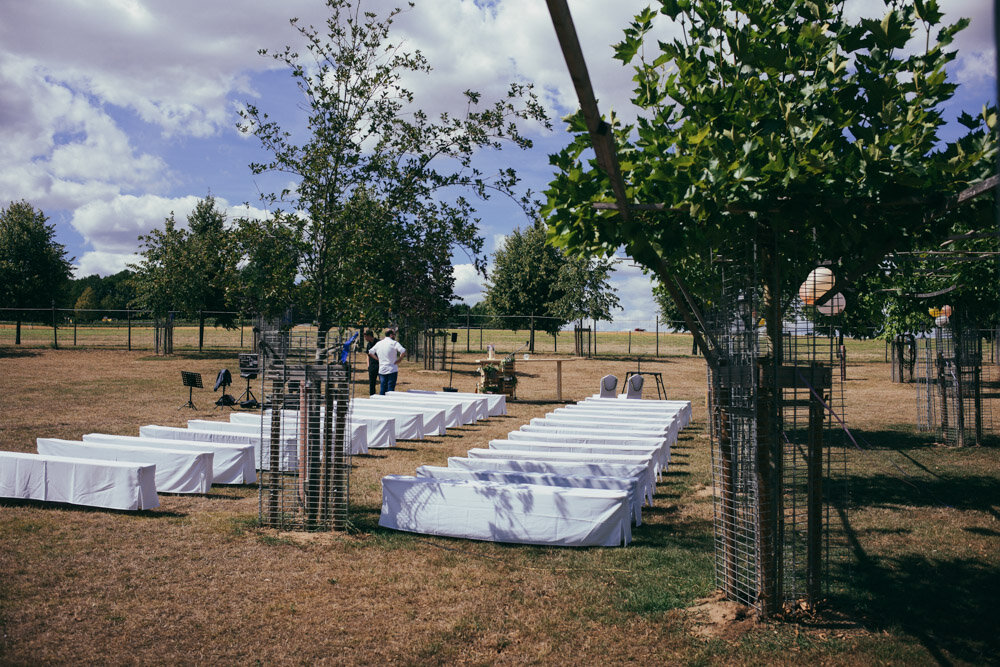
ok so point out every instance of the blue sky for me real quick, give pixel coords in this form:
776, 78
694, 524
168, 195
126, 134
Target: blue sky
117, 112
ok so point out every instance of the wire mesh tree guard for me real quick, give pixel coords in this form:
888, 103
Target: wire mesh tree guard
955, 388
778, 457
305, 457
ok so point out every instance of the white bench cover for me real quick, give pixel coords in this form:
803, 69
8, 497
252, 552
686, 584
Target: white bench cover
231, 464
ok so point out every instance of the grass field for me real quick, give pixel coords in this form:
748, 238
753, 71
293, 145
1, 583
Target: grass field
196, 581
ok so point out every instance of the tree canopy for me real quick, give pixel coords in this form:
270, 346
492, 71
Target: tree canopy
780, 124
34, 268
532, 277
187, 270
377, 206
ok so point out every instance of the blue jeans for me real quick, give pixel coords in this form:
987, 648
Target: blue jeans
387, 382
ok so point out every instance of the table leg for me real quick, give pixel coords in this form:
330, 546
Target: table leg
559, 380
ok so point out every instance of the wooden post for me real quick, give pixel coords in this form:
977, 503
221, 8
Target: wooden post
630, 341
74, 331
55, 329
201, 330
555, 341
531, 336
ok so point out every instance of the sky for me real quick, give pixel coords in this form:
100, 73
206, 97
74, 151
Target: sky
115, 113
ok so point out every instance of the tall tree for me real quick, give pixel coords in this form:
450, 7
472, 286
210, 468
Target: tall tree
33, 267
373, 210
586, 289
775, 134
187, 270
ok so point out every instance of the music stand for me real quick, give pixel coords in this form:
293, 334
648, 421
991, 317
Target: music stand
249, 368
190, 380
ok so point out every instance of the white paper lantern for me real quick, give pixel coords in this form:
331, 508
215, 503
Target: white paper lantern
834, 306
946, 311
941, 320
819, 281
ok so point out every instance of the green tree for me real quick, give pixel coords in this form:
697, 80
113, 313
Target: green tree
373, 211
586, 289
187, 270
774, 135
87, 301
525, 281
778, 124
33, 267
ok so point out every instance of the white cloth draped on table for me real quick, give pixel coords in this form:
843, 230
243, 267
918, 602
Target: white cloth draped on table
647, 478
668, 418
628, 484
511, 513
453, 413
231, 464
108, 484
381, 432
288, 454
656, 452
496, 403
633, 406
474, 407
609, 426
434, 422
359, 432
661, 444
177, 470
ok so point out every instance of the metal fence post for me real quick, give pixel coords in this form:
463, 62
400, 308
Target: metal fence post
55, 329
468, 331
128, 318
657, 335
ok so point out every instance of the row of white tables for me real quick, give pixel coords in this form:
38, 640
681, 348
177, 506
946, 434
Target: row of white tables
577, 477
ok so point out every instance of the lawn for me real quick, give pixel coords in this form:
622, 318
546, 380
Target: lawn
196, 581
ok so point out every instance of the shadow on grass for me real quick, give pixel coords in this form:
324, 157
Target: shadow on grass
944, 603
13, 352
83, 509
967, 492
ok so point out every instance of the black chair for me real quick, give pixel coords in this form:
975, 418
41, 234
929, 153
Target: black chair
249, 369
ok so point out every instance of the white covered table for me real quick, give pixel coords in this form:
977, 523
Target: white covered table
647, 478
638, 471
231, 464
288, 455
177, 470
630, 485
496, 403
656, 453
359, 432
660, 445
434, 422
509, 513
622, 404
453, 413
381, 432
474, 406
107, 484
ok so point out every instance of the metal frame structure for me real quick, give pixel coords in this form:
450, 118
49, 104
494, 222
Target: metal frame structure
305, 456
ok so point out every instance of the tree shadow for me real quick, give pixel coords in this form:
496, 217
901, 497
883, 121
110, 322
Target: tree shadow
968, 492
14, 353
943, 602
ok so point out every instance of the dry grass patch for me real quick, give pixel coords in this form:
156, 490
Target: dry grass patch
196, 580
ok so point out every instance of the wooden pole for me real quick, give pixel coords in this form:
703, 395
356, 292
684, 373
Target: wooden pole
814, 502
55, 329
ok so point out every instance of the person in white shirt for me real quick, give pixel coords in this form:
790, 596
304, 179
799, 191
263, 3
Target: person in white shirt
388, 353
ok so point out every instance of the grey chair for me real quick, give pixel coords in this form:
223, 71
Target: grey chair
634, 387
609, 383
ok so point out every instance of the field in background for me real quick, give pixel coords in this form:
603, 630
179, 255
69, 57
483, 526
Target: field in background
195, 580
139, 335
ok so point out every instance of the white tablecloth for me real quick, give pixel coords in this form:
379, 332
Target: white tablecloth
434, 418
108, 484
231, 464
474, 407
177, 470
510, 513
608, 426
288, 457
656, 452
640, 471
359, 431
630, 485
497, 403
453, 413
661, 445
647, 479
381, 431
667, 418
640, 405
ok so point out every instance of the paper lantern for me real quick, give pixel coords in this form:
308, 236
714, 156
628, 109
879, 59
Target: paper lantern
819, 281
834, 306
934, 312
941, 320
946, 311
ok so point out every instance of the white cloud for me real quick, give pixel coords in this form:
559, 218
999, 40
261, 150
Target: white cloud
468, 283
102, 263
